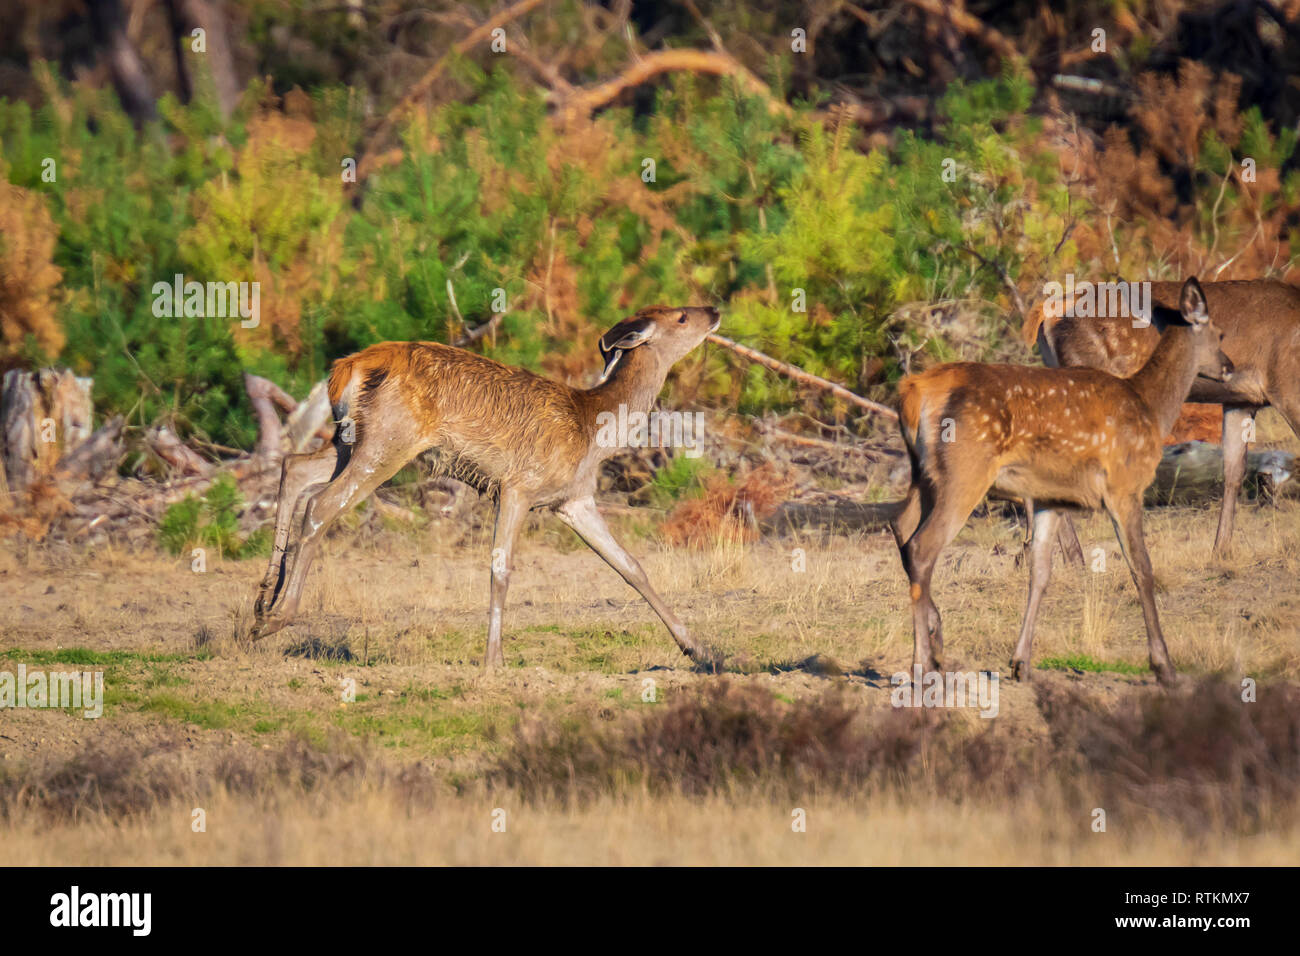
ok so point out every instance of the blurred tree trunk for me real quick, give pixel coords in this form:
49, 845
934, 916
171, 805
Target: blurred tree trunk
187, 16
108, 22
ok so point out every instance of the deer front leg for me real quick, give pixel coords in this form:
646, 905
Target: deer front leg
582, 516
511, 509
1234, 470
299, 474
1042, 540
1071, 550
1126, 515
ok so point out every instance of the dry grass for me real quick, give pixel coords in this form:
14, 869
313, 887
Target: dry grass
721, 776
423, 754
727, 513
370, 827
1202, 757
412, 602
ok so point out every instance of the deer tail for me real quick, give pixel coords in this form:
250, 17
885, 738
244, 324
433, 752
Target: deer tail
1032, 329
343, 382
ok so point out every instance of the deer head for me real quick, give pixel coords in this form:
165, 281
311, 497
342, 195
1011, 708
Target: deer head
670, 333
1194, 313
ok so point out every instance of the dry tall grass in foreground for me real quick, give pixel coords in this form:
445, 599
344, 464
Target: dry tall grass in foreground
588, 770
719, 776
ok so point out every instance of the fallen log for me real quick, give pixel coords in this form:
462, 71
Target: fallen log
839, 516
1193, 471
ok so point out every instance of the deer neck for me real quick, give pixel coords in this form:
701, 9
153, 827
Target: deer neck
634, 384
1164, 382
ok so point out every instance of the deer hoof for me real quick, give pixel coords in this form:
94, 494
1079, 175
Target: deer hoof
261, 628
705, 659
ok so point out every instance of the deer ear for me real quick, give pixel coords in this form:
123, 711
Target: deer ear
628, 334
1191, 303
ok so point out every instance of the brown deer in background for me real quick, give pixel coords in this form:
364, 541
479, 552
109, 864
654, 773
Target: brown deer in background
528, 441
1064, 438
1260, 321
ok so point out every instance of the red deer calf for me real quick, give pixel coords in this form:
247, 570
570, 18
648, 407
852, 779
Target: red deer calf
1260, 320
528, 441
1063, 438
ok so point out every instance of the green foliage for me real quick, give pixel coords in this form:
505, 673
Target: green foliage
679, 478
211, 522
1082, 662
830, 259
488, 199
941, 220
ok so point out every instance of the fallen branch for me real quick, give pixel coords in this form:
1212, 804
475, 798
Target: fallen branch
969, 25
586, 100
265, 395
313, 418
164, 443
808, 442
799, 375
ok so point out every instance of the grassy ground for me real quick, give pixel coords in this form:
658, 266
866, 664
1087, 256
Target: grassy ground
403, 617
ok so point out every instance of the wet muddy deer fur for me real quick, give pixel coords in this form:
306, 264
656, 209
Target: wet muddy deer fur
1066, 439
1260, 321
528, 441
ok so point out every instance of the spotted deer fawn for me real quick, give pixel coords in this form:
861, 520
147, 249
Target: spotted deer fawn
1063, 438
1260, 320
528, 441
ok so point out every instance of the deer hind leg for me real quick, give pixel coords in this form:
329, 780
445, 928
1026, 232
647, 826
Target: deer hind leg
581, 515
1042, 540
511, 510
1234, 470
1126, 515
904, 524
368, 468
299, 474
1289, 407
945, 508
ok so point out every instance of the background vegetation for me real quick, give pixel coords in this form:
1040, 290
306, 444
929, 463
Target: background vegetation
917, 176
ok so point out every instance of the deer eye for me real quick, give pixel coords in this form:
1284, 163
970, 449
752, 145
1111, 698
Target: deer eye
682, 320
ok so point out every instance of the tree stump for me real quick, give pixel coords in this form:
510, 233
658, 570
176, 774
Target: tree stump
44, 415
